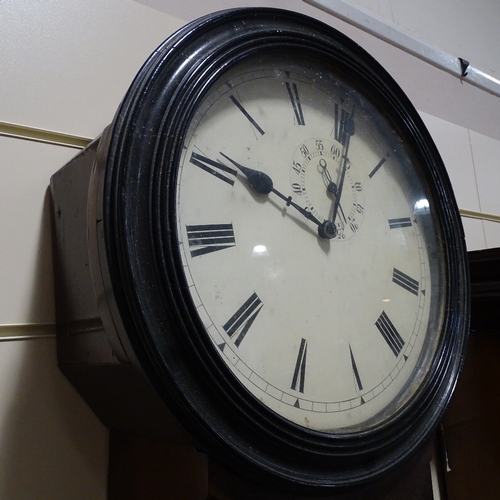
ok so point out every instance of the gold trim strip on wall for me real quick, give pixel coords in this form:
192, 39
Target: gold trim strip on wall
26, 331
45, 136
471, 214
73, 141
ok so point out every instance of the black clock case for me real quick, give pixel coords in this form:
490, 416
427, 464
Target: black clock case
127, 331
98, 361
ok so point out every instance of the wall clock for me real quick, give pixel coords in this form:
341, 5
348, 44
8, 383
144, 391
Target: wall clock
275, 247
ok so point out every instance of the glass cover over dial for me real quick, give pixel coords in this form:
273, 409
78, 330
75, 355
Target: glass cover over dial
308, 243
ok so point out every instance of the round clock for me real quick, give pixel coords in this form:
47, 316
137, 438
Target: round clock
284, 250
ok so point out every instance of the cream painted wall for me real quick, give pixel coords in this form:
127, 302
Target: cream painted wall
64, 66
464, 29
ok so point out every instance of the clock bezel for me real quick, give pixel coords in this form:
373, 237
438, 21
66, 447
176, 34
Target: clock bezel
139, 208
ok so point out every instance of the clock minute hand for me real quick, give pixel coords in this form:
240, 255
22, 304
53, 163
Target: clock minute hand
263, 184
348, 132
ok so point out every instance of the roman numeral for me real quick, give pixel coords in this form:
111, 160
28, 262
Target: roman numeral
293, 94
343, 126
246, 114
377, 167
299, 374
241, 321
390, 334
399, 223
404, 281
208, 238
355, 371
213, 167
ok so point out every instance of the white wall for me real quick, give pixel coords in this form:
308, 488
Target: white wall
64, 66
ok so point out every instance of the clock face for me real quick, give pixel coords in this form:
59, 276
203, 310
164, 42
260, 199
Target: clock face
308, 244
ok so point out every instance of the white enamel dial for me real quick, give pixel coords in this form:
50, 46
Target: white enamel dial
319, 294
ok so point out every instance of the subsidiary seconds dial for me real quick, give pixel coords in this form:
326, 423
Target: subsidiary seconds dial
323, 175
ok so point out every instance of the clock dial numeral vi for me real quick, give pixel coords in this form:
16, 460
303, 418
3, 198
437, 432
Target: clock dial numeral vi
299, 374
355, 371
210, 238
241, 321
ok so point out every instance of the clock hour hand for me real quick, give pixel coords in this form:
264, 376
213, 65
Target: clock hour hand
327, 229
263, 184
331, 187
260, 181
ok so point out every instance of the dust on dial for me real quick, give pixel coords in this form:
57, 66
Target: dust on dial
315, 289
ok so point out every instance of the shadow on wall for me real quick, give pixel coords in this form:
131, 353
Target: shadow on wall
51, 444
41, 302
